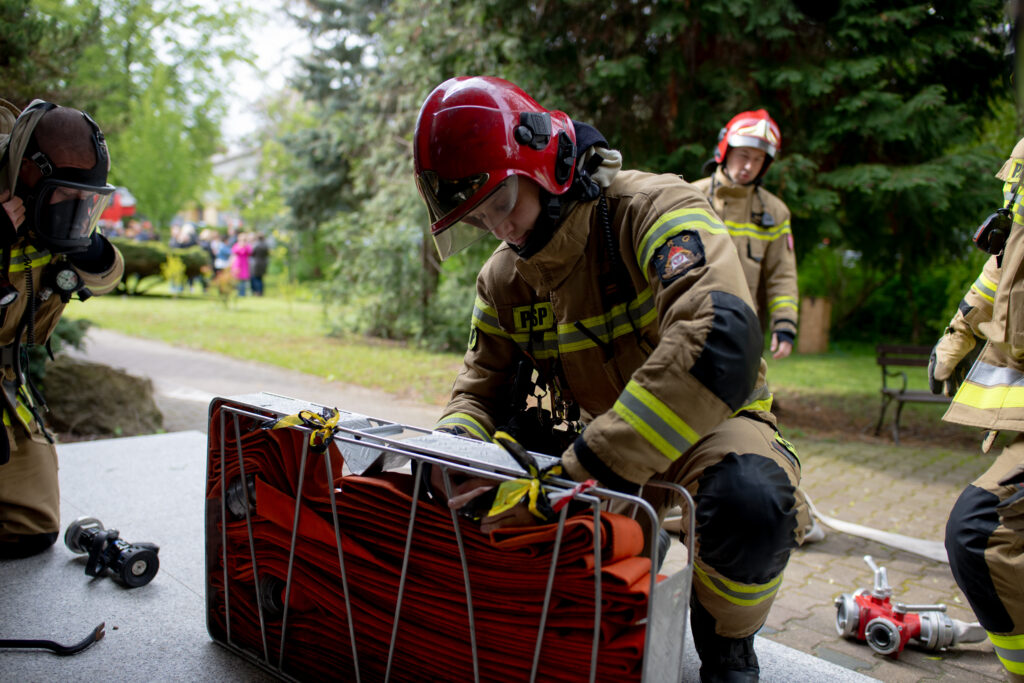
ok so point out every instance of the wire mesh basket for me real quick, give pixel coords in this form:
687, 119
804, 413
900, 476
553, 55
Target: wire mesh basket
332, 561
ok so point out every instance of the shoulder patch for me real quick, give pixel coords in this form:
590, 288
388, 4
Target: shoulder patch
678, 256
471, 346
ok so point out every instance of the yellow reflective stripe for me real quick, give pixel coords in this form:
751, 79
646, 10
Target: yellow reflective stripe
655, 421
467, 422
486, 319
36, 257
1008, 194
1010, 650
744, 594
985, 288
673, 223
619, 321
989, 398
780, 302
24, 414
758, 232
571, 339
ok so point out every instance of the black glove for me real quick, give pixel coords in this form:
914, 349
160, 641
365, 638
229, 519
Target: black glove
97, 258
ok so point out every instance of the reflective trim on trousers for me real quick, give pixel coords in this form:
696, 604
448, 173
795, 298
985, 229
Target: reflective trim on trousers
741, 594
1010, 650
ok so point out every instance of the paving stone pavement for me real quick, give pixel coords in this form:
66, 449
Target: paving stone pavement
868, 481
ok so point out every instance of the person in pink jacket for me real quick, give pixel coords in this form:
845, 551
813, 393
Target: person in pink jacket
240, 261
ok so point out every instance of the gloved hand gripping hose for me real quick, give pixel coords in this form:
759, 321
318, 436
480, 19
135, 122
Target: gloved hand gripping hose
519, 501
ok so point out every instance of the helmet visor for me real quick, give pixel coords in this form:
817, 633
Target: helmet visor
480, 220
66, 213
444, 197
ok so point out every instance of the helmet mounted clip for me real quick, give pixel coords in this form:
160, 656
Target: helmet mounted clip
534, 129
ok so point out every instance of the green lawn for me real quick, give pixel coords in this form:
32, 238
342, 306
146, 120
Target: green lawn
293, 333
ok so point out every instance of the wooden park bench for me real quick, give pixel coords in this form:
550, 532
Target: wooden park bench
890, 355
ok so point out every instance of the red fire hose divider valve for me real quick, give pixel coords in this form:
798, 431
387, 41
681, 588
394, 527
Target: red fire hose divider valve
888, 626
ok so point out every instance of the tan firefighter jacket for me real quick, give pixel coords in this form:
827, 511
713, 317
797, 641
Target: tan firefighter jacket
992, 395
26, 261
651, 376
30, 270
766, 251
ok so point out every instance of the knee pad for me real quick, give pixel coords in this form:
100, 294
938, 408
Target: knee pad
746, 517
970, 525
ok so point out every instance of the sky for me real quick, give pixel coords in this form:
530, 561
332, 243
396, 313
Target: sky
276, 43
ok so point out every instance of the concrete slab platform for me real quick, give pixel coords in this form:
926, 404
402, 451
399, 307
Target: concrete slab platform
150, 488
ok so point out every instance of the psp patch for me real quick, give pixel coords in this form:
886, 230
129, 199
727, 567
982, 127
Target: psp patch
679, 255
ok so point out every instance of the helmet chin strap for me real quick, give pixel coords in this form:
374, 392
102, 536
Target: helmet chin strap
545, 227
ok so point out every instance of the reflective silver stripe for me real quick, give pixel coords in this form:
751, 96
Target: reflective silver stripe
486, 319
641, 312
749, 595
655, 421
988, 375
782, 302
982, 285
37, 257
467, 423
569, 338
758, 232
1009, 655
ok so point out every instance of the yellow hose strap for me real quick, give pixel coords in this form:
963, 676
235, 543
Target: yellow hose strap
512, 493
322, 426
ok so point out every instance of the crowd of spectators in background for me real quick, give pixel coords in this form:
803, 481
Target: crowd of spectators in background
243, 255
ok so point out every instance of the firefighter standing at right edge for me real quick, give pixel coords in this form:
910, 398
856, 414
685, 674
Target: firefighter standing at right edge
624, 292
985, 530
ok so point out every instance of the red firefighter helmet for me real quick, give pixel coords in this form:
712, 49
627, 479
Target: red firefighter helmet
750, 129
474, 137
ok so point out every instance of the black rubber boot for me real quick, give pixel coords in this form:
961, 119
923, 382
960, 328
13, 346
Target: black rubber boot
26, 546
722, 660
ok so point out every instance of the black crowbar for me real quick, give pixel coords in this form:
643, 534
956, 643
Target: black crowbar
57, 648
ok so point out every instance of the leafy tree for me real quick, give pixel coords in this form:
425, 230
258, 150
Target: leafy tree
882, 106
35, 49
151, 72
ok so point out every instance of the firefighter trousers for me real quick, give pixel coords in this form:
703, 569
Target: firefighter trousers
749, 515
986, 554
29, 497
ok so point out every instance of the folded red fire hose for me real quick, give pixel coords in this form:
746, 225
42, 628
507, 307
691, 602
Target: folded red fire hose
318, 575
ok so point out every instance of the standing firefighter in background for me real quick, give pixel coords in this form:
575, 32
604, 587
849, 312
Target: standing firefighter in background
985, 532
757, 220
622, 291
53, 187
758, 223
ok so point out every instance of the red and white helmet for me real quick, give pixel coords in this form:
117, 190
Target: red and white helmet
475, 136
750, 129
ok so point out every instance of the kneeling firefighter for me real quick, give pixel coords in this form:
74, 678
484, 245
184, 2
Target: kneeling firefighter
621, 292
53, 187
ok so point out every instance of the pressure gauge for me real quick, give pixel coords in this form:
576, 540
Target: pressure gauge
67, 281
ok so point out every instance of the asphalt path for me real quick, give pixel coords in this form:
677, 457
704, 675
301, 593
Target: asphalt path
186, 380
